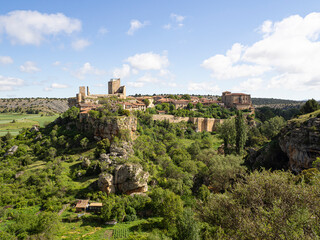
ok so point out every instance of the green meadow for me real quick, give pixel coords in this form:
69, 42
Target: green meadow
14, 122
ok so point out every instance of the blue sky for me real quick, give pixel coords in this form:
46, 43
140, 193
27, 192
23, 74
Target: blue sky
270, 49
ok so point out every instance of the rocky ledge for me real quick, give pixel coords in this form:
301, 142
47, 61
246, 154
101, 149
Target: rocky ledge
300, 140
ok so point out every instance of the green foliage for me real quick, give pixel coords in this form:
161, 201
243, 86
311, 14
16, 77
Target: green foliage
72, 113
310, 106
187, 226
166, 204
227, 132
267, 205
272, 127
146, 102
241, 132
42, 226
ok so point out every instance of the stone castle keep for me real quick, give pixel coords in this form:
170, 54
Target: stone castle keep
85, 97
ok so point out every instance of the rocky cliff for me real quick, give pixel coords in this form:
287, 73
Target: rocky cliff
108, 127
300, 140
295, 148
127, 178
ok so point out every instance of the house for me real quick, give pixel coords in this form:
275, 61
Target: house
95, 207
180, 103
82, 205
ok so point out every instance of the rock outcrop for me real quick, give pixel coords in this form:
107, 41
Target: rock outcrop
295, 148
127, 178
108, 127
105, 183
11, 150
301, 143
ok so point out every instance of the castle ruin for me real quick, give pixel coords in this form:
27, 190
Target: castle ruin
85, 99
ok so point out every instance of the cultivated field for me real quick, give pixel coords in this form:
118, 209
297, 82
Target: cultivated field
14, 122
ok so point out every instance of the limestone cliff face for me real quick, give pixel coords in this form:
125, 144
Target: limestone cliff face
107, 127
127, 178
301, 143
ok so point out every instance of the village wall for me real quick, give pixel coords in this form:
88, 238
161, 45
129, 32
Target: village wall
202, 124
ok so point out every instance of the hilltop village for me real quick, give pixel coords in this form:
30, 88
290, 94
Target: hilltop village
87, 101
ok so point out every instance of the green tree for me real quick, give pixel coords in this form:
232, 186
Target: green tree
310, 106
71, 113
241, 132
84, 142
187, 226
227, 132
190, 106
146, 102
272, 127
166, 204
199, 105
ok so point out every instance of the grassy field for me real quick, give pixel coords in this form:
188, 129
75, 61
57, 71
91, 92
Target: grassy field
14, 122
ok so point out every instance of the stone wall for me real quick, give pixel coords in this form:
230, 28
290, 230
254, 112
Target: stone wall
107, 127
202, 124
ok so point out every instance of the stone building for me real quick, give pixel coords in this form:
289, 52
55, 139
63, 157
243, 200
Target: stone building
85, 97
114, 88
240, 101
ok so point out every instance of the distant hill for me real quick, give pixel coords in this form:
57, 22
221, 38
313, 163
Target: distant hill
267, 101
34, 105
276, 103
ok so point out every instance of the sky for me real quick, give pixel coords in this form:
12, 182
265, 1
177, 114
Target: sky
263, 48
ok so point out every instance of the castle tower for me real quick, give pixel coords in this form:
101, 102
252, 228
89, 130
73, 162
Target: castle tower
113, 85
82, 91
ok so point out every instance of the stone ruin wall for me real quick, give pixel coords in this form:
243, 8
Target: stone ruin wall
202, 124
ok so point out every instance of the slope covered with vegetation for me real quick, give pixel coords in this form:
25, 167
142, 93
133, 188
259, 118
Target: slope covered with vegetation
198, 189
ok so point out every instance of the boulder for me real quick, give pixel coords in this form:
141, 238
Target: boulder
127, 178
11, 150
105, 158
85, 162
130, 178
105, 183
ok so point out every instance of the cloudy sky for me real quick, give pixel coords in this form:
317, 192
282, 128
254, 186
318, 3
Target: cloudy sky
266, 48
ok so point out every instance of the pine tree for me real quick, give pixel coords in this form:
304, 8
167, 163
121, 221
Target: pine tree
241, 134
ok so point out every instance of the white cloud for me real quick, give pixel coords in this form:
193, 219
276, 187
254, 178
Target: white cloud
6, 60
228, 66
176, 21
122, 72
288, 54
10, 83
87, 69
80, 44
29, 67
135, 25
136, 84
177, 18
167, 26
103, 31
172, 84
56, 63
203, 86
252, 84
147, 78
32, 27
58, 85
55, 86
148, 61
